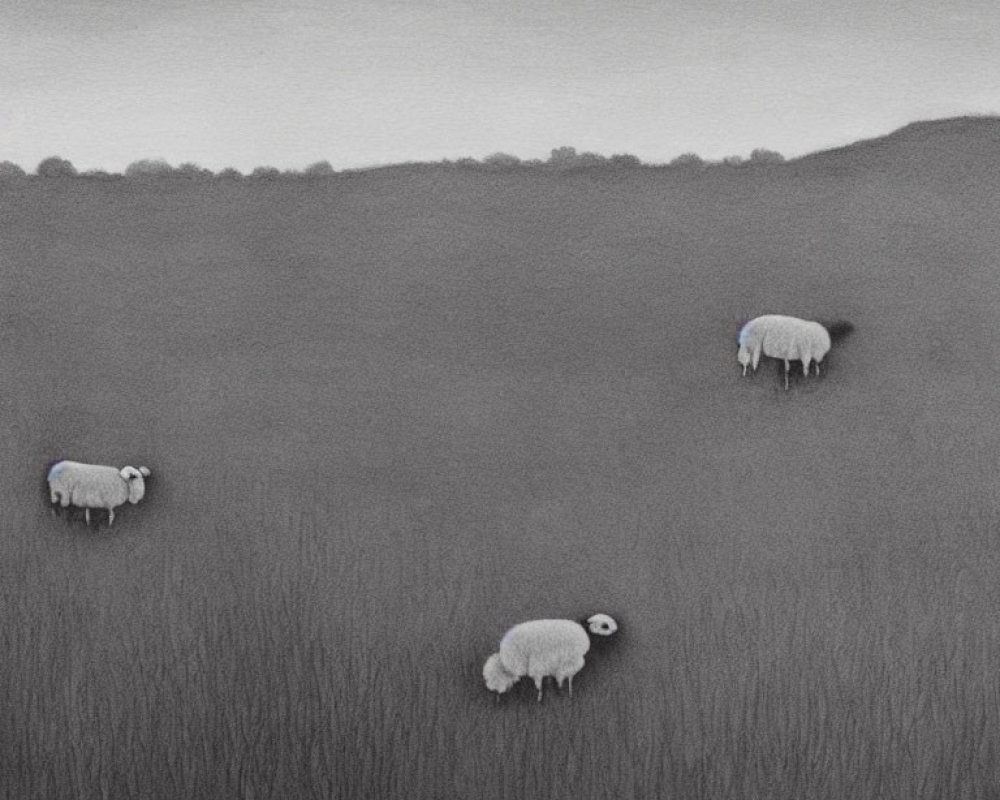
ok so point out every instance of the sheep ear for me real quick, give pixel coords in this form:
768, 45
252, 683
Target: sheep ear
144, 471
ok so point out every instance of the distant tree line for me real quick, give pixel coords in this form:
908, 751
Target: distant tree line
560, 159
157, 168
567, 158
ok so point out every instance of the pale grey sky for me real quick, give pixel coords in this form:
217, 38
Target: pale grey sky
106, 82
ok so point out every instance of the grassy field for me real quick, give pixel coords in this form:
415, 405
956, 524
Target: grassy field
389, 414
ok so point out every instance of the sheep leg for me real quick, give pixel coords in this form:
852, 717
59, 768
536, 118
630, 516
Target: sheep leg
86, 516
786, 374
111, 517
817, 369
570, 685
538, 683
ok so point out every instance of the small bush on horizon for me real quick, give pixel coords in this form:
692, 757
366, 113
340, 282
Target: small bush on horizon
625, 160
159, 168
764, 156
687, 160
320, 169
568, 158
8, 169
55, 167
191, 170
148, 168
265, 173
501, 160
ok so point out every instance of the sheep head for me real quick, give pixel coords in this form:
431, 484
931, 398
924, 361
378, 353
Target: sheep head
749, 353
136, 483
496, 677
601, 625
743, 356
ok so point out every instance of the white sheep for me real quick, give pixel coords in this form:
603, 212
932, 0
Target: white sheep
543, 647
90, 486
787, 338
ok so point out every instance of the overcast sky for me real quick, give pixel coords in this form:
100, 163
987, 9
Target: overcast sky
224, 83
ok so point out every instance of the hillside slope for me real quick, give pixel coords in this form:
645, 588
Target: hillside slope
510, 341
481, 397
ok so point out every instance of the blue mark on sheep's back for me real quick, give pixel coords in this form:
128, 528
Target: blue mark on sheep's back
744, 333
55, 469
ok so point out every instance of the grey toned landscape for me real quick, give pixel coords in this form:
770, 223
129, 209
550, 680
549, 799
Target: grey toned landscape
390, 413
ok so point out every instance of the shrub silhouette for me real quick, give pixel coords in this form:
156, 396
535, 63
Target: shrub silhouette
568, 158
321, 169
55, 167
625, 160
191, 170
266, 173
148, 168
8, 169
762, 156
501, 161
687, 160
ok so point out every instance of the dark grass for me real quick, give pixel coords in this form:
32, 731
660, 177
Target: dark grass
391, 415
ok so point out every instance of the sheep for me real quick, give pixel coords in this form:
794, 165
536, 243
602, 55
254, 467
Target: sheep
544, 647
90, 486
787, 338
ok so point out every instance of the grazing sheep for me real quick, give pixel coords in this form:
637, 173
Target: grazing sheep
543, 647
787, 338
90, 486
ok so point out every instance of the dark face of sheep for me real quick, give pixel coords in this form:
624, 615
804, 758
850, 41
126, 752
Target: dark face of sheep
602, 631
600, 625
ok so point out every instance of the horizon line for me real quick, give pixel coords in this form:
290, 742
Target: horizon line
513, 161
